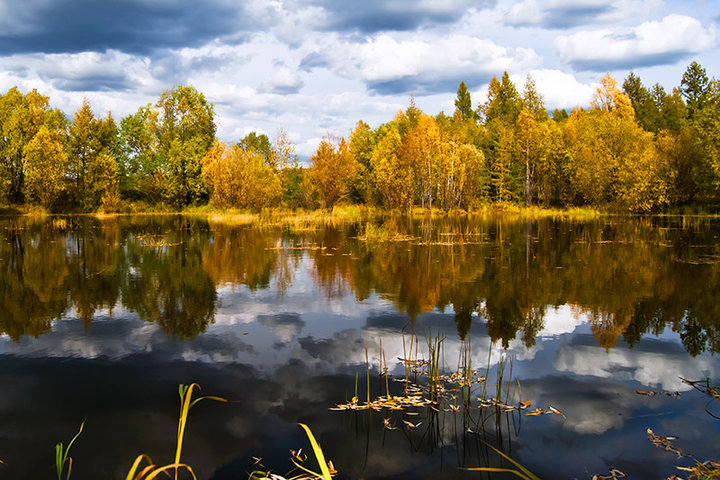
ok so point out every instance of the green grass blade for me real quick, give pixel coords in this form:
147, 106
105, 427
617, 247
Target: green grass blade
58, 460
82, 425
318, 453
61, 455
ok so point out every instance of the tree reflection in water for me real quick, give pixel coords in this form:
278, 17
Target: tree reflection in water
629, 277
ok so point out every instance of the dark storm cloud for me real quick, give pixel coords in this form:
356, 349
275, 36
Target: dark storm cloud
370, 16
132, 26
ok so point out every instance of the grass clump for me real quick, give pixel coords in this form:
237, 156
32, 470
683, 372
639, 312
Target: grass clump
150, 471
61, 456
326, 468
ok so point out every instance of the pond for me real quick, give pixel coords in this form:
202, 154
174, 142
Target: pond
600, 324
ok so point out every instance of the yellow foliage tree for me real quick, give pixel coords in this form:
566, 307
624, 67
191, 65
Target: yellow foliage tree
92, 143
393, 173
421, 149
331, 170
613, 160
239, 178
528, 142
458, 162
44, 162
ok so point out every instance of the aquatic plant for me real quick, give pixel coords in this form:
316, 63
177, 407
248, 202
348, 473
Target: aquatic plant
61, 455
151, 471
521, 471
708, 470
326, 468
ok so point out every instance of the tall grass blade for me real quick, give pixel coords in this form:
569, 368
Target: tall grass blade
500, 470
523, 473
151, 471
132, 475
318, 453
186, 403
61, 455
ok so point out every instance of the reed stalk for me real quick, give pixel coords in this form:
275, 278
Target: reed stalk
61, 455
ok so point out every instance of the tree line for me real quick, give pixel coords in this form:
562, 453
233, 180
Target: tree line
635, 149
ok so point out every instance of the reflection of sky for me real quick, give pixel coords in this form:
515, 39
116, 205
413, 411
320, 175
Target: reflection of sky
290, 356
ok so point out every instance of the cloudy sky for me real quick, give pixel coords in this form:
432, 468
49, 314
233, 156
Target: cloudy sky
315, 67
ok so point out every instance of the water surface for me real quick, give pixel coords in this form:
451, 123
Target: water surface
102, 319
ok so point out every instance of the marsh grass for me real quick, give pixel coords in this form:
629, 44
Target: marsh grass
62, 457
519, 471
298, 459
151, 471
428, 383
708, 470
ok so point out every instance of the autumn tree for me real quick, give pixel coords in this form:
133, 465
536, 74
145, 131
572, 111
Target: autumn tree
362, 143
393, 175
707, 126
331, 169
550, 173
461, 137
500, 147
457, 169
284, 161
240, 178
44, 163
503, 102
21, 117
614, 161
533, 101
421, 149
259, 144
92, 150
528, 144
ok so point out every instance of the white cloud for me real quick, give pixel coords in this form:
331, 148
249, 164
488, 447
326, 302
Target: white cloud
427, 59
654, 368
650, 43
561, 90
524, 13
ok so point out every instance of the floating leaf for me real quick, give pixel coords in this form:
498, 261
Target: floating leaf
556, 411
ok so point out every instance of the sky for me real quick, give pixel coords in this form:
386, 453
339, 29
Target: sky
315, 67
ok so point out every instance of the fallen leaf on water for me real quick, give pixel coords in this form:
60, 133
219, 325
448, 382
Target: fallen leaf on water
556, 411
411, 425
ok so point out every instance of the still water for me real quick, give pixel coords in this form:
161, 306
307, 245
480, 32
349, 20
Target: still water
101, 320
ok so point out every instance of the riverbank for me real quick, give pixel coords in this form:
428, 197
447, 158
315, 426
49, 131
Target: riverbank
341, 212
